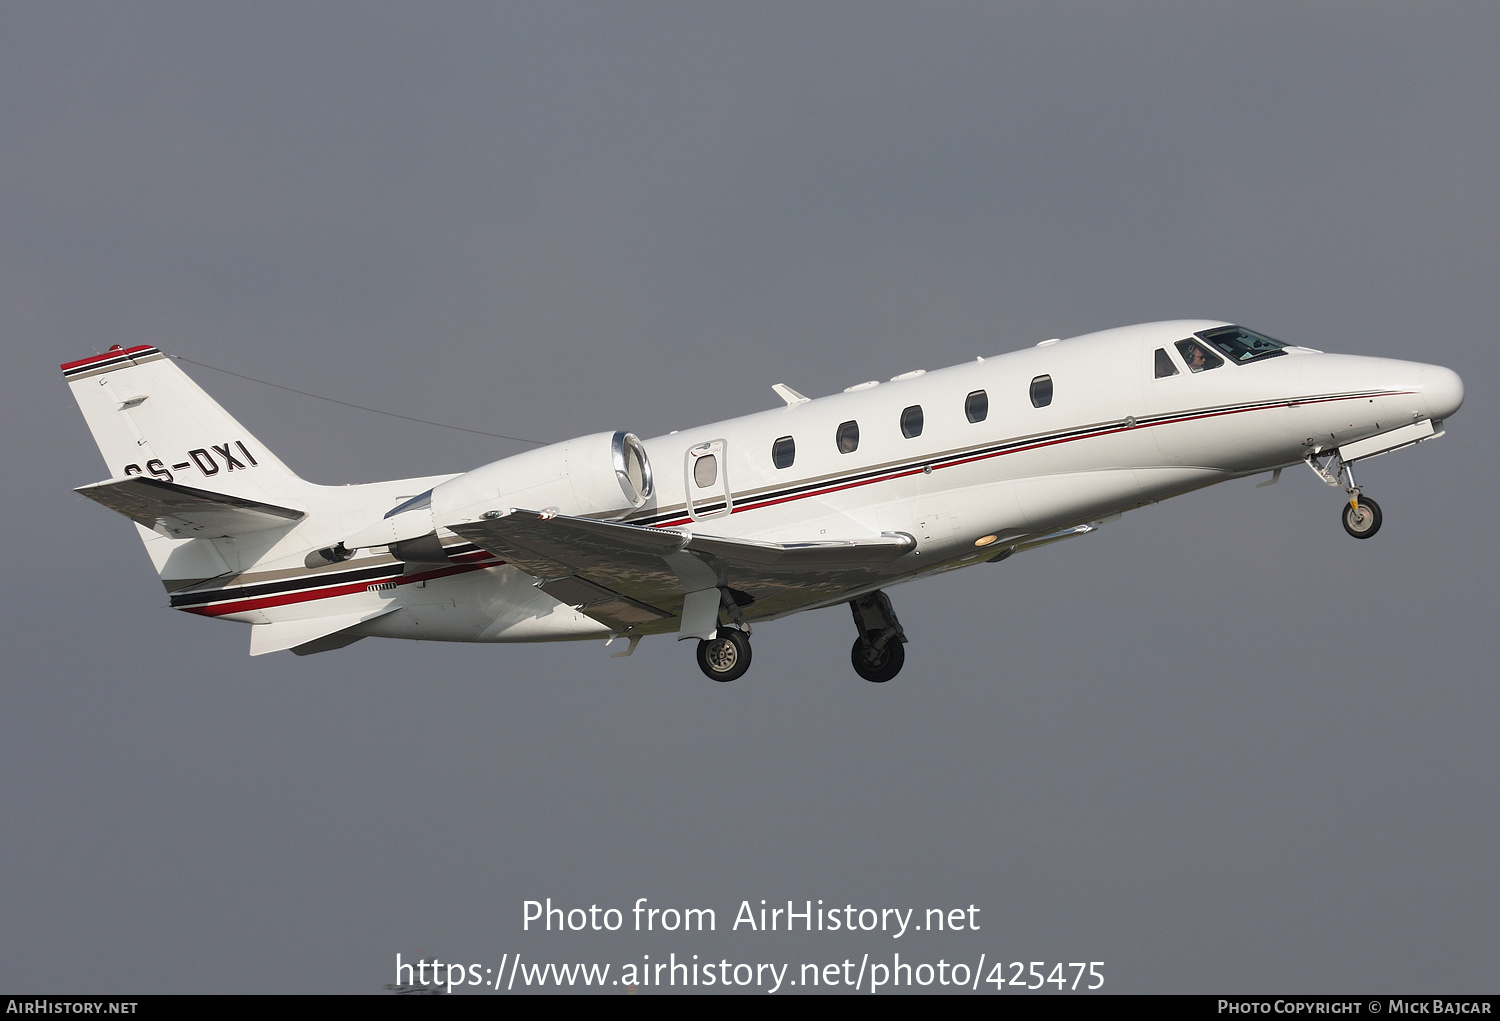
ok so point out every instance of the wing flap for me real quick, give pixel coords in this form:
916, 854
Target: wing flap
629, 576
604, 605
616, 574
798, 554
181, 512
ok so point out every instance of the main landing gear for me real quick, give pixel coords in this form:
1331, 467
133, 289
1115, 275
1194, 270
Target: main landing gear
1361, 516
726, 656
878, 652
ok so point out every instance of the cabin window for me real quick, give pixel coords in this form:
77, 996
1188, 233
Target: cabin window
1041, 391
848, 437
1198, 357
784, 452
705, 470
1164, 366
911, 421
977, 406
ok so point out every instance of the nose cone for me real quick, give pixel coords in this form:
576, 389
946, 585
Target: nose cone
1444, 391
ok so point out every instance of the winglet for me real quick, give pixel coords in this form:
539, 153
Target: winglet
786, 393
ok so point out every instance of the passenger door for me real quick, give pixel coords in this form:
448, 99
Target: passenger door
707, 481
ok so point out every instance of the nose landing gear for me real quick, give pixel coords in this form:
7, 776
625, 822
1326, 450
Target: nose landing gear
1361, 516
1362, 520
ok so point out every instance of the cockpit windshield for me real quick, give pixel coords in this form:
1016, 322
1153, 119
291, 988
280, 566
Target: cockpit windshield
1242, 345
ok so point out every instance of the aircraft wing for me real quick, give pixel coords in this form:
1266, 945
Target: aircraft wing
634, 578
182, 512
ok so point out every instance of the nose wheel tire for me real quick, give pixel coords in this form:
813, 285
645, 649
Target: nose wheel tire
1365, 521
875, 665
724, 656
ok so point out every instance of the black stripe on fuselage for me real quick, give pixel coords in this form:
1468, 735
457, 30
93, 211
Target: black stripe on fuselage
309, 581
328, 579
314, 579
910, 466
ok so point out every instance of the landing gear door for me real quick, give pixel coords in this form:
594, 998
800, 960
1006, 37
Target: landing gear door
707, 481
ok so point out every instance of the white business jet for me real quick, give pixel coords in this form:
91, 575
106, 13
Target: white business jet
706, 531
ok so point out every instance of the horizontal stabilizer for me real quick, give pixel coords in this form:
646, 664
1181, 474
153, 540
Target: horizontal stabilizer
181, 512
292, 634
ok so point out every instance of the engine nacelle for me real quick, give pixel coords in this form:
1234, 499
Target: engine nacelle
606, 475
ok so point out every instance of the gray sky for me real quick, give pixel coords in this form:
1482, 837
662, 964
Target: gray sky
1267, 764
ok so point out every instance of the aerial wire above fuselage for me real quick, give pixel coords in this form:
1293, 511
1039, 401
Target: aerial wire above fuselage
358, 407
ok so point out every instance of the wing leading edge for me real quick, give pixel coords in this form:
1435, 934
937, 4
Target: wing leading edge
632, 578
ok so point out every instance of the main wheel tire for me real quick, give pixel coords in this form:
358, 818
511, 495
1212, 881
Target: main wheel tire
1364, 522
724, 656
881, 666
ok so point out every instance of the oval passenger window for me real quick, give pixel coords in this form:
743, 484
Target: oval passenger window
977, 406
848, 437
705, 470
1041, 391
911, 421
783, 452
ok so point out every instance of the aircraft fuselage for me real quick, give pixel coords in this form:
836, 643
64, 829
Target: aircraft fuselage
970, 462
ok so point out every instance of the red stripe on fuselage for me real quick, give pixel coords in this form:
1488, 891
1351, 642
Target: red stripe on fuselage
904, 472
307, 595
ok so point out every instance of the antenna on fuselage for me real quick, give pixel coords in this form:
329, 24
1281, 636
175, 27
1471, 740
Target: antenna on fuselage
786, 393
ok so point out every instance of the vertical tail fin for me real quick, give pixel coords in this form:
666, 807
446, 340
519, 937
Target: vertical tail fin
200, 473
150, 419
